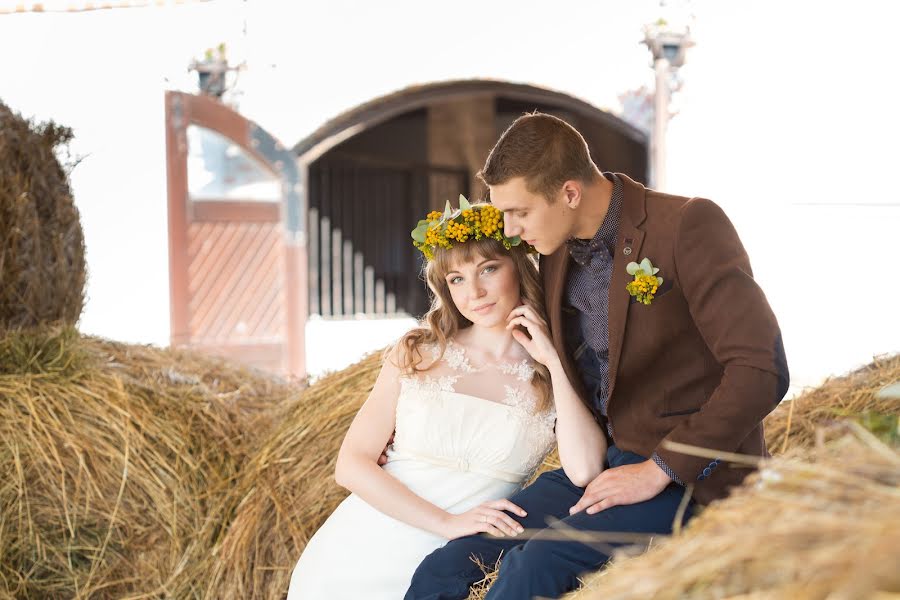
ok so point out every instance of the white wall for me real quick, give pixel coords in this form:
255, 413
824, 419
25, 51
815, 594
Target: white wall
787, 119
784, 105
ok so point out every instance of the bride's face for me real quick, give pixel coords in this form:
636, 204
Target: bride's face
484, 290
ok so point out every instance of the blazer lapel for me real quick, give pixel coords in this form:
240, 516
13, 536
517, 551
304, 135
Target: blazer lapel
554, 270
555, 267
629, 236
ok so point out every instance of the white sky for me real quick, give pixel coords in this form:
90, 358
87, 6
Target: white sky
787, 118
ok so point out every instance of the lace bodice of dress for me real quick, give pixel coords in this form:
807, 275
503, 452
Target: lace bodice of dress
480, 418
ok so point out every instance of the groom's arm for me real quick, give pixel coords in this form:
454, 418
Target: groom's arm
738, 326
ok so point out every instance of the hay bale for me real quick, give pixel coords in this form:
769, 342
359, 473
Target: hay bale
812, 524
287, 490
856, 395
42, 268
117, 464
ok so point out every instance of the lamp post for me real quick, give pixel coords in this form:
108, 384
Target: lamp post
668, 45
211, 72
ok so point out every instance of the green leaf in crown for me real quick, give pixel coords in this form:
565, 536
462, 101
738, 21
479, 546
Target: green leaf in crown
418, 234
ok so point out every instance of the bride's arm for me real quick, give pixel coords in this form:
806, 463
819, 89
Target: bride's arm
580, 439
357, 463
581, 442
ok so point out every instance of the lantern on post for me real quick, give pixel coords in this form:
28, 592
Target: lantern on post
667, 43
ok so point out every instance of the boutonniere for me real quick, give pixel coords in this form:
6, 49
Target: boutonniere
645, 283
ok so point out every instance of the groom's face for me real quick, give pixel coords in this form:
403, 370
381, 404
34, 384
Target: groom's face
544, 224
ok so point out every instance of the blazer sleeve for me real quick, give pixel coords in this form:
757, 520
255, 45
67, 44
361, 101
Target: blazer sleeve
734, 318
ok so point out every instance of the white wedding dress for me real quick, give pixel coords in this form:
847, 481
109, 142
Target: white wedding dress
464, 435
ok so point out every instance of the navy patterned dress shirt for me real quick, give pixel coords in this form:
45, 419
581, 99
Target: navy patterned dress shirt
587, 300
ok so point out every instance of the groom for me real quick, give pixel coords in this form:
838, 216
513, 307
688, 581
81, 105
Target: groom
687, 354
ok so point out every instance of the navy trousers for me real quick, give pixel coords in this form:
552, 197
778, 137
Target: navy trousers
544, 565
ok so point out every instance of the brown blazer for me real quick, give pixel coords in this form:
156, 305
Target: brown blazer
704, 363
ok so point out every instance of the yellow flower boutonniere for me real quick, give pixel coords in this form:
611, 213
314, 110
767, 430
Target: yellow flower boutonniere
645, 283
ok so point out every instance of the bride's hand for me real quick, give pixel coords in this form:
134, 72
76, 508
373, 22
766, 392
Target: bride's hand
487, 517
540, 346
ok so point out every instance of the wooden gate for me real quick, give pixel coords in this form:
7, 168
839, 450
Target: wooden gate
237, 247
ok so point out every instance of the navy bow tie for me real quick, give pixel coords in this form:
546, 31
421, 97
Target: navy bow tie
581, 251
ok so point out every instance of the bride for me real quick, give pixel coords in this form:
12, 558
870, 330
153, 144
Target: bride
468, 397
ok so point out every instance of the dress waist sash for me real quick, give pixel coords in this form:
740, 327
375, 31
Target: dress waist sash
459, 464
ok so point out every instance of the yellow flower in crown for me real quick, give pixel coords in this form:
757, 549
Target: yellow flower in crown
442, 230
645, 283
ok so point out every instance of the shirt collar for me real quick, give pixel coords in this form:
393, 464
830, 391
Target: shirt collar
604, 240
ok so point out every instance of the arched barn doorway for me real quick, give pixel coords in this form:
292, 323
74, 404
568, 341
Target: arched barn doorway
256, 231
373, 171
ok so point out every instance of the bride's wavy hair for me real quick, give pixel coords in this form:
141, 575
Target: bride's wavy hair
443, 319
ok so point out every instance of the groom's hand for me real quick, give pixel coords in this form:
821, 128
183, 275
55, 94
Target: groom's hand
628, 484
382, 460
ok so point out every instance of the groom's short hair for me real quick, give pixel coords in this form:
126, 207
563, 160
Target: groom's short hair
543, 149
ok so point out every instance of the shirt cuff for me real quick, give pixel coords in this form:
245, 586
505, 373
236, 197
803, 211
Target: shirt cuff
668, 471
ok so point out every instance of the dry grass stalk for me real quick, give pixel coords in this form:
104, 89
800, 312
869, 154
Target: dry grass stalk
481, 587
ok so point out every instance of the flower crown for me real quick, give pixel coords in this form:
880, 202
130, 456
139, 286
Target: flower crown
441, 230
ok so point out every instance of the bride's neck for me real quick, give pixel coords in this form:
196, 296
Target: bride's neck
493, 344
